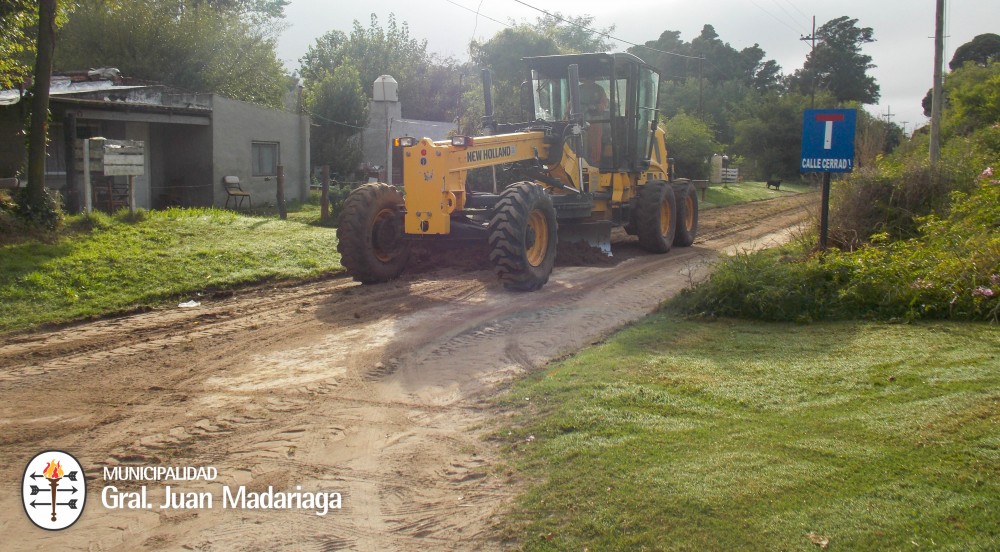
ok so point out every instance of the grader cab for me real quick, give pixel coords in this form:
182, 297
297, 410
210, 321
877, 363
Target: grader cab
590, 159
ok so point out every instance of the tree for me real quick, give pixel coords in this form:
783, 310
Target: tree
973, 98
981, 50
183, 43
376, 51
502, 54
668, 53
710, 78
691, 143
771, 138
35, 197
573, 35
17, 19
340, 109
874, 137
837, 64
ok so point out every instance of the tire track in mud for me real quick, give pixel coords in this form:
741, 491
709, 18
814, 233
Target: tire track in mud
376, 392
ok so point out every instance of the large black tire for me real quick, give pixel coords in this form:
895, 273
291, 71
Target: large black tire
687, 213
523, 235
370, 234
656, 216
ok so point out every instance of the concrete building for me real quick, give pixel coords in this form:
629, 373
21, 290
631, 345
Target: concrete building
191, 141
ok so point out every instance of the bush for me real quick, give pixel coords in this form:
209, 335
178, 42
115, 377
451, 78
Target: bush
690, 142
891, 197
951, 270
45, 212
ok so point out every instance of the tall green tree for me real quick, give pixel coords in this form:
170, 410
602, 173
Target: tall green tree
340, 109
187, 44
428, 86
574, 34
18, 19
981, 50
838, 65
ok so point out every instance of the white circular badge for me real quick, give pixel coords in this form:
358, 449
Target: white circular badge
54, 490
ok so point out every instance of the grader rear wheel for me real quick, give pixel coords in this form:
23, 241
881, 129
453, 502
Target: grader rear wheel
656, 217
687, 213
523, 237
369, 236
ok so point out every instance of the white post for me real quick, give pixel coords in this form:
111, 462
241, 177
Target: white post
87, 195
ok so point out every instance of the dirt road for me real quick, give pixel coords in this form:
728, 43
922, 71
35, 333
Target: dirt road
379, 393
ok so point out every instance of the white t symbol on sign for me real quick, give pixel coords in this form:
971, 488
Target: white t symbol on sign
829, 119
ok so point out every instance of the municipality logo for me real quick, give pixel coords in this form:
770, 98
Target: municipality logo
53, 490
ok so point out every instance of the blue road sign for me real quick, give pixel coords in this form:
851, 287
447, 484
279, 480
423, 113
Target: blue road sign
828, 140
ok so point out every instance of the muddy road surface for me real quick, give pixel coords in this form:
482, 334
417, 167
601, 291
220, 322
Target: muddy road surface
379, 393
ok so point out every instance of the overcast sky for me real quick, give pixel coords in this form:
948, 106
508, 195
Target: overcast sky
903, 51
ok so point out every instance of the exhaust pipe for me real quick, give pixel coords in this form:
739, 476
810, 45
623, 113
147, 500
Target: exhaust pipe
576, 117
489, 124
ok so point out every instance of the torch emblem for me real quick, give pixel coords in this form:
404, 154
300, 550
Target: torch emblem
54, 490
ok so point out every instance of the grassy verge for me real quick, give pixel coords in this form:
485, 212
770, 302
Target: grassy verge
104, 264
744, 192
678, 435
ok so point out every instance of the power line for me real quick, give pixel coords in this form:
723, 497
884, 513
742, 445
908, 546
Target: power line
792, 4
341, 123
478, 13
788, 13
776, 18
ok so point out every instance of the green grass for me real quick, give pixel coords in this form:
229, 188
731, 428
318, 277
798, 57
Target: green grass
103, 264
675, 435
719, 195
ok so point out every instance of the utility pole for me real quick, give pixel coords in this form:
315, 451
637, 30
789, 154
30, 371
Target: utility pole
701, 84
935, 149
888, 115
904, 123
812, 85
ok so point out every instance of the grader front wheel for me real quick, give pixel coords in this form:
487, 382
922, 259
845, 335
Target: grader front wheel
523, 237
369, 236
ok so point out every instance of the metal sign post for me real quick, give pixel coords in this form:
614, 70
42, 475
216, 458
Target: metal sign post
827, 147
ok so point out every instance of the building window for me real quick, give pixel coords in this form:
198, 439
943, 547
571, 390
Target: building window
265, 158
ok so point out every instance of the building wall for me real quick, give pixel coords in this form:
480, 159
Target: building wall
374, 150
181, 165
12, 154
373, 138
236, 126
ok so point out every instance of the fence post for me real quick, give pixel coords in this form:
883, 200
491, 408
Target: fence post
87, 193
282, 212
324, 201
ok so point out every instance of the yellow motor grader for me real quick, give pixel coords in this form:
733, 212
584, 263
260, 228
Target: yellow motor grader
592, 158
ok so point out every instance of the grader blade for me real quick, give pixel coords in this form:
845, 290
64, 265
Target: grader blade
595, 234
